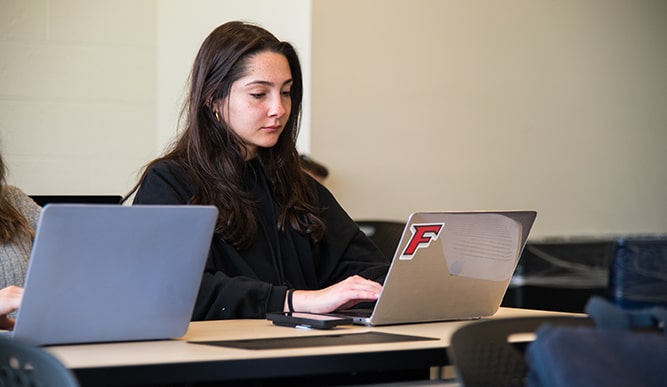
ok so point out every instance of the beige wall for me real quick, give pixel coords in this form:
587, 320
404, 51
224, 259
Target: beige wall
416, 104
558, 106
183, 25
77, 93
90, 90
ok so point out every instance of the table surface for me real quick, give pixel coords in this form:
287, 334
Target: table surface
169, 360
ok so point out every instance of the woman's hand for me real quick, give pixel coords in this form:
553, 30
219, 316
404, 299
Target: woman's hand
10, 300
344, 294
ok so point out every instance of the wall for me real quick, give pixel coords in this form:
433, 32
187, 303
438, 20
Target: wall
77, 93
182, 27
465, 105
90, 90
416, 104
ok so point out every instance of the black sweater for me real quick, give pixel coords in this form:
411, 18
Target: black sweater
250, 282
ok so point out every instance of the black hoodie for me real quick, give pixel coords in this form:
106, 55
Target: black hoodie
249, 283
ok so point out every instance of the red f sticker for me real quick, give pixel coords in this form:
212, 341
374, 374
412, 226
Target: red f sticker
422, 236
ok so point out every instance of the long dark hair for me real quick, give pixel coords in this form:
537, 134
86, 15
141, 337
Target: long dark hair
213, 154
12, 223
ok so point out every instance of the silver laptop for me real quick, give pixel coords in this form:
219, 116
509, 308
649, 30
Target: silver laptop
103, 273
450, 266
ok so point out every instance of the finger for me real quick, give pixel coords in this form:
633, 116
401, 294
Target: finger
368, 286
363, 282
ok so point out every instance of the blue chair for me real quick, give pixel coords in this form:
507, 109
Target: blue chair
22, 365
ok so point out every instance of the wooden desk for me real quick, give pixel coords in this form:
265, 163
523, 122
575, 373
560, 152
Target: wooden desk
181, 361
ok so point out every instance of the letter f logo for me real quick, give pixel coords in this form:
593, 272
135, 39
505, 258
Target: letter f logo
422, 236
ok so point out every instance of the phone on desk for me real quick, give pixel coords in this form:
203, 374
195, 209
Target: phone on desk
307, 320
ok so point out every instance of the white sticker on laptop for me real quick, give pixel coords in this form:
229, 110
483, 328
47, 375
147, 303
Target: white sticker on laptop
485, 246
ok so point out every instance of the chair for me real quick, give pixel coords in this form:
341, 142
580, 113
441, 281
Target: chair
385, 234
638, 272
22, 364
483, 355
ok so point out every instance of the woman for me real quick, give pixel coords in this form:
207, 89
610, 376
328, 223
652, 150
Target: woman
18, 220
282, 241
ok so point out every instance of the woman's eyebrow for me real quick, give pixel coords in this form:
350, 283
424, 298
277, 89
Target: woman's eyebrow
267, 83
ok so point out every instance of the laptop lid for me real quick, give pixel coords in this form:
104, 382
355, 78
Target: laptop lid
101, 273
452, 265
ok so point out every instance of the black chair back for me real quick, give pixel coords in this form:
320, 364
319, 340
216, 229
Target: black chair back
484, 354
385, 234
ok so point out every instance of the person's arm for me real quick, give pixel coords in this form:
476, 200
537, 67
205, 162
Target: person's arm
347, 246
224, 297
353, 268
342, 295
10, 300
220, 296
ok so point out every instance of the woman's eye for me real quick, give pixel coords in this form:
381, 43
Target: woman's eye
287, 93
257, 95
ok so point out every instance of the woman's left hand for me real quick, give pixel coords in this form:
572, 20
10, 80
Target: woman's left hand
344, 294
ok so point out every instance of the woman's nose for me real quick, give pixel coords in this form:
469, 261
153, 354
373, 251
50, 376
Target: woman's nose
277, 108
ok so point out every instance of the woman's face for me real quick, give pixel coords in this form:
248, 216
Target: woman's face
259, 104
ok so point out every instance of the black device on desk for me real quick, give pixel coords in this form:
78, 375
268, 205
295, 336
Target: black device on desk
307, 320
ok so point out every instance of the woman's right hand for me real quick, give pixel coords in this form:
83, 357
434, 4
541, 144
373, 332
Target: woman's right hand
345, 294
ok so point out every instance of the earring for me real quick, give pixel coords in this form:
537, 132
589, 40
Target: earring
217, 116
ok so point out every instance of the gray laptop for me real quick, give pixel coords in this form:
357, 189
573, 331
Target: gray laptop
103, 273
450, 266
